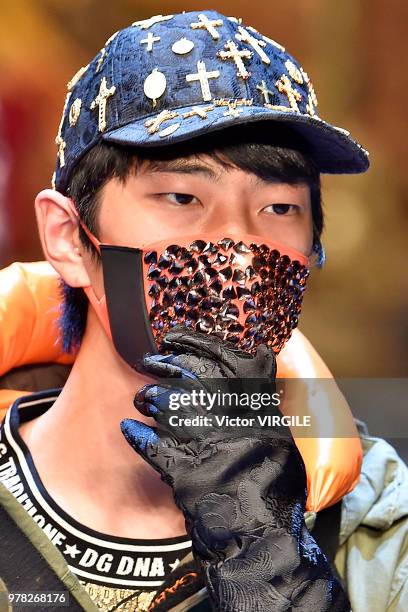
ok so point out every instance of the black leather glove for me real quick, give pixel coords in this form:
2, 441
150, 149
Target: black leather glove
243, 497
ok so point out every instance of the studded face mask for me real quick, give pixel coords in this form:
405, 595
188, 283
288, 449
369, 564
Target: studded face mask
246, 290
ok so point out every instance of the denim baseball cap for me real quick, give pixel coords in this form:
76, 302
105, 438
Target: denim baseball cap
174, 77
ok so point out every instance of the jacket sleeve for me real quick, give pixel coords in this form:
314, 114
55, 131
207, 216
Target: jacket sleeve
372, 558
374, 567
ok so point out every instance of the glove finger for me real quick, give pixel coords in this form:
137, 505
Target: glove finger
154, 400
186, 338
264, 362
197, 343
201, 367
159, 402
145, 441
231, 361
145, 408
199, 340
162, 366
139, 435
151, 392
188, 369
148, 393
192, 366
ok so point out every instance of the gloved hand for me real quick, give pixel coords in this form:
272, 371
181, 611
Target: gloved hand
243, 497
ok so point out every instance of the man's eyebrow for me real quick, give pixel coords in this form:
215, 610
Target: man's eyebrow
182, 166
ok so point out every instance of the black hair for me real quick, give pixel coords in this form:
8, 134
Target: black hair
270, 151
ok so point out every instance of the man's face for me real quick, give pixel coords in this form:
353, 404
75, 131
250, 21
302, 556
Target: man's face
200, 198
197, 195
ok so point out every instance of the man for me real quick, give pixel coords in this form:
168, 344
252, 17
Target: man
185, 125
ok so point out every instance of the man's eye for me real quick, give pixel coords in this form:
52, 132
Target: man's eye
282, 209
181, 198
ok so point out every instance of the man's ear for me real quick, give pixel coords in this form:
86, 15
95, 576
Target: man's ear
58, 229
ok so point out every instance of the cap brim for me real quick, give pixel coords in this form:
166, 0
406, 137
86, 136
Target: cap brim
332, 148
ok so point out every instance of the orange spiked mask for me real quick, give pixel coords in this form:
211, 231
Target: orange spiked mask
244, 289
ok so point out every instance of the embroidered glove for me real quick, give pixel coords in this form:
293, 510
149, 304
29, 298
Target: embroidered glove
243, 497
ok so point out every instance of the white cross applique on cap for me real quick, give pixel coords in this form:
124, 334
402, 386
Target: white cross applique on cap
294, 96
202, 76
145, 24
149, 41
236, 55
101, 101
262, 87
257, 45
207, 24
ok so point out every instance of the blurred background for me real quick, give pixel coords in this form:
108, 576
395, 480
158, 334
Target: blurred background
356, 309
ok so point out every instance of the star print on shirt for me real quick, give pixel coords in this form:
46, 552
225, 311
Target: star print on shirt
174, 564
72, 551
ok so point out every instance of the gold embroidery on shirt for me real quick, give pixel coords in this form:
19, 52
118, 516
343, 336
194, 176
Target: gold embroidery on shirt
120, 599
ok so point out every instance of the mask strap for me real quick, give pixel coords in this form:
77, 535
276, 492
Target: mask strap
92, 238
99, 304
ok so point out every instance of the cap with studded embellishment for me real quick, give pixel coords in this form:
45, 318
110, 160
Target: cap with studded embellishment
174, 77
